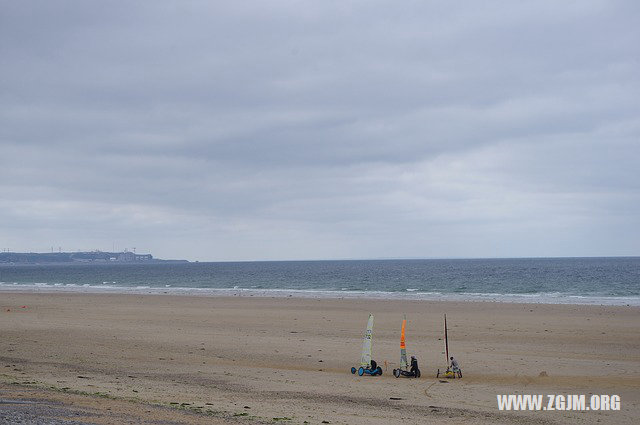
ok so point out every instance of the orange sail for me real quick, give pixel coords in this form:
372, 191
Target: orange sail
404, 324
403, 348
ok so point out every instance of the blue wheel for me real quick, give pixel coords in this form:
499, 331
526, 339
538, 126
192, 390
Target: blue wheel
379, 370
361, 371
353, 370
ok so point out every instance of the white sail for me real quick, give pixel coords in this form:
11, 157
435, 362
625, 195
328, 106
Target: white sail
365, 359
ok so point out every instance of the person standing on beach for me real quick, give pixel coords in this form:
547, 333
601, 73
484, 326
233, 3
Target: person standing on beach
454, 365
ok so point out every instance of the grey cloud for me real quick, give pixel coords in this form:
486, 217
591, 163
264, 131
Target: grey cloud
384, 129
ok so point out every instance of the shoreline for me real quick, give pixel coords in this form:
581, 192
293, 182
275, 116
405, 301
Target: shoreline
544, 298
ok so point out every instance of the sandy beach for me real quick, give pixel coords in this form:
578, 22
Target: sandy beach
249, 359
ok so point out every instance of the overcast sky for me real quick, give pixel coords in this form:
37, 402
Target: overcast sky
321, 129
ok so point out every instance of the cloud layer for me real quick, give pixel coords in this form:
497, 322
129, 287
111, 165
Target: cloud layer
295, 130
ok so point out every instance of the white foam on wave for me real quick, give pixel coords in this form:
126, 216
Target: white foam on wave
538, 298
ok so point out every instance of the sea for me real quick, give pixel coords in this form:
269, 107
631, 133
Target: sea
599, 281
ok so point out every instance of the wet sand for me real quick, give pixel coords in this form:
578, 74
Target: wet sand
21, 404
269, 360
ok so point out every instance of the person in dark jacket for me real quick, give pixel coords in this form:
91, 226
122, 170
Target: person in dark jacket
414, 365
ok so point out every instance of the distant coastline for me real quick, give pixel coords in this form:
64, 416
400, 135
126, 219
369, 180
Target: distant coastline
86, 257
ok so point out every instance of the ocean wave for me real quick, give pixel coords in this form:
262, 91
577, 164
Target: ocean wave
538, 298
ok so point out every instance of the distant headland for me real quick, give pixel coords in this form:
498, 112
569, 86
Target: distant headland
90, 257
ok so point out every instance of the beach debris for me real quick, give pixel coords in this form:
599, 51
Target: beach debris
543, 374
396, 398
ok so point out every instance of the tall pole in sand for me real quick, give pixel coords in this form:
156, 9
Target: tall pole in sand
446, 340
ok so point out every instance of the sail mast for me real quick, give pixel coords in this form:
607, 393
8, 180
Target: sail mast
446, 339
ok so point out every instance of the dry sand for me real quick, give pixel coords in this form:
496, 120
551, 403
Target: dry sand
287, 360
